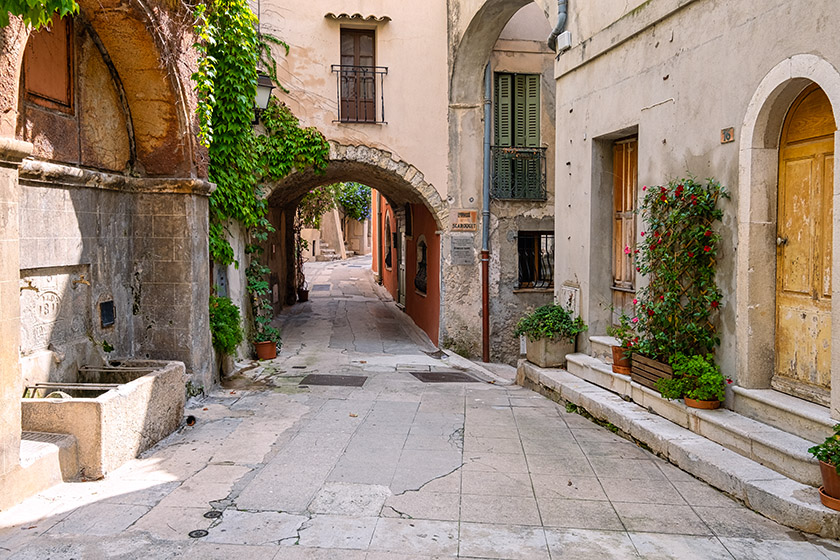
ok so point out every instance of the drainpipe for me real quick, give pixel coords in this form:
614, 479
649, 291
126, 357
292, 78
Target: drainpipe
485, 220
561, 25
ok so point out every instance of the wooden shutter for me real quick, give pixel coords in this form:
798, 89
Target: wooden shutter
625, 172
504, 109
532, 110
358, 80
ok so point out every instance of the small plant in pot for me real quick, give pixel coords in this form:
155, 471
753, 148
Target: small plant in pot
696, 379
627, 338
828, 454
266, 338
550, 333
266, 342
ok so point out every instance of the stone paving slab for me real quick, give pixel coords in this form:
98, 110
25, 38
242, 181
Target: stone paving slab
395, 470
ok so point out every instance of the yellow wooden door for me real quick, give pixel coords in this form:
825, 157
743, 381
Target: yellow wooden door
625, 173
804, 241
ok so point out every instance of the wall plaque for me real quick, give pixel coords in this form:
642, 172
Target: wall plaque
462, 250
464, 220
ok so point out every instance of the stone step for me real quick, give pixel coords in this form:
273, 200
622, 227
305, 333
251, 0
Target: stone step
601, 347
45, 461
797, 416
784, 452
763, 489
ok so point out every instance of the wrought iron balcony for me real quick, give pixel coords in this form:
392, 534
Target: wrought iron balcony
356, 87
518, 173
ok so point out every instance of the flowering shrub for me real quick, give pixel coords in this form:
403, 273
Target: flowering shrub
625, 332
676, 310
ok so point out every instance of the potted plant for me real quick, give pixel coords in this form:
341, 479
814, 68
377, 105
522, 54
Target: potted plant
828, 454
627, 338
266, 338
266, 341
696, 379
550, 334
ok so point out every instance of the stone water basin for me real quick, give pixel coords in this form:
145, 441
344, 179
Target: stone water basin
111, 425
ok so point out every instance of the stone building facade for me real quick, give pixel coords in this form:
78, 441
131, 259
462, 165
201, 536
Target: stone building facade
104, 212
733, 90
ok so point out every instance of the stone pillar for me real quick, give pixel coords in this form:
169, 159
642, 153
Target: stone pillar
12, 153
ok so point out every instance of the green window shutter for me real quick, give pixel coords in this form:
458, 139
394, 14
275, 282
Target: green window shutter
504, 109
520, 118
532, 111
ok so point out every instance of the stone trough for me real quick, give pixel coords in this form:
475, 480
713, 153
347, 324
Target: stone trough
114, 411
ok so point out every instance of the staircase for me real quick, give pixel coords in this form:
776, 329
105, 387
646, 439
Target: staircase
45, 460
757, 450
327, 254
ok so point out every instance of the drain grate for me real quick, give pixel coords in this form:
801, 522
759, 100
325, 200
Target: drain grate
334, 380
321, 288
444, 377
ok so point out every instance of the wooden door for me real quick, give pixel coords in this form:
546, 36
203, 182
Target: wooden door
358, 78
804, 245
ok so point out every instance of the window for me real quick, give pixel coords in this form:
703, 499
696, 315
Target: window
625, 172
518, 159
536, 260
48, 75
422, 265
357, 76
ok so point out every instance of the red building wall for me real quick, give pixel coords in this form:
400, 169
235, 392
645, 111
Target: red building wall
424, 309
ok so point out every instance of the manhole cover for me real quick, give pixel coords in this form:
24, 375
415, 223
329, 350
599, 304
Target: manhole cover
215, 514
320, 287
197, 534
334, 380
444, 377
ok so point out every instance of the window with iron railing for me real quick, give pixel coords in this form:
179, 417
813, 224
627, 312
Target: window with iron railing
518, 159
359, 82
536, 260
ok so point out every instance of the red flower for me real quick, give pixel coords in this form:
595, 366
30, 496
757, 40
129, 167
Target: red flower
707, 248
643, 234
690, 254
728, 381
664, 198
715, 304
644, 188
650, 312
638, 269
708, 233
656, 233
661, 298
663, 190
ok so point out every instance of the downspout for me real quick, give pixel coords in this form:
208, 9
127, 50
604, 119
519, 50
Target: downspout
485, 219
561, 25
381, 241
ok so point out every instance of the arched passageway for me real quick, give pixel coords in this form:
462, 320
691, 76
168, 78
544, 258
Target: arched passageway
407, 216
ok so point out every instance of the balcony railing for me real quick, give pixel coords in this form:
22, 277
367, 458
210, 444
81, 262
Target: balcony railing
357, 87
518, 173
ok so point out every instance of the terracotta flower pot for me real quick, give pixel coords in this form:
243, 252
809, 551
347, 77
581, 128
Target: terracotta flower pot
705, 405
621, 361
266, 350
830, 490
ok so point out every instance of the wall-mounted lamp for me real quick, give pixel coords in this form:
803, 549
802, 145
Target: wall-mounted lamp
264, 87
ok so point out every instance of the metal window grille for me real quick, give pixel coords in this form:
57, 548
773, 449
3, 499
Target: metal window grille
356, 87
536, 260
518, 173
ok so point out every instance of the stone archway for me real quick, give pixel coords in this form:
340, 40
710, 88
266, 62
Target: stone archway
758, 180
397, 180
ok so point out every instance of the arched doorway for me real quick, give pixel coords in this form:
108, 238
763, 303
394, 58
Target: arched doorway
804, 248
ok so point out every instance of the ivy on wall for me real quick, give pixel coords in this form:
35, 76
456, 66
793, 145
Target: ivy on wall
37, 13
240, 160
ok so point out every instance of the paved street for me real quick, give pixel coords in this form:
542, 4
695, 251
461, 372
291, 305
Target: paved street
397, 468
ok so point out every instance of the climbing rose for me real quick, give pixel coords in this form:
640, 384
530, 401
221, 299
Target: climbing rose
635, 301
626, 249
634, 320
643, 234
715, 304
708, 233
707, 248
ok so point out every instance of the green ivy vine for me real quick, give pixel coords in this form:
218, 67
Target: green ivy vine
37, 13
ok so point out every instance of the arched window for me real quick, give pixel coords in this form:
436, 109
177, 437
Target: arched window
422, 265
388, 245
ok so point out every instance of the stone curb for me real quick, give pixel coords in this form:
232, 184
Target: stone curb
457, 360
760, 488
